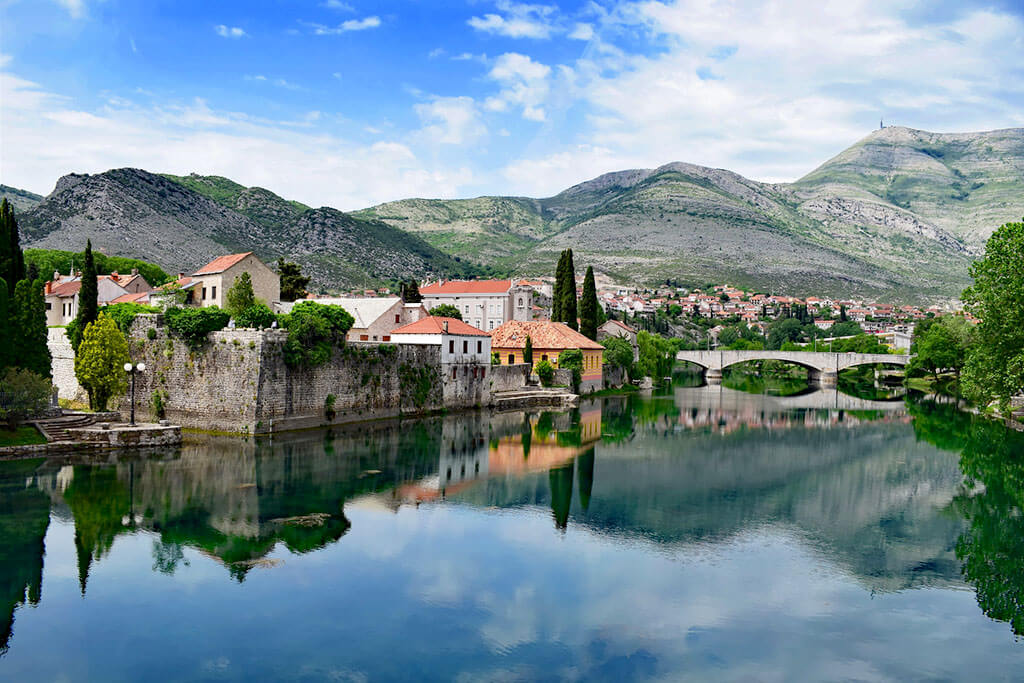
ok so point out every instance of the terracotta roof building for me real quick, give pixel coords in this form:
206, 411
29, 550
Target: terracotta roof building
213, 280
548, 339
485, 304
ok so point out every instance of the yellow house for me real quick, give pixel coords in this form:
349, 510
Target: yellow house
548, 339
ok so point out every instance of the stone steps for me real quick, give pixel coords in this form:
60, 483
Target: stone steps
56, 428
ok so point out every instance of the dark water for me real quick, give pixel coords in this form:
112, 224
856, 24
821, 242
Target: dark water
705, 534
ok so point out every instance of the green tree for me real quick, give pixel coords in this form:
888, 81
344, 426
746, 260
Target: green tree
6, 329
258, 317
618, 352
784, 330
29, 329
240, 296
26, 394
569, 314
88, 295
194, 324
446, 311
546, 372
314, 330
293, 282
728, 336
995, 365
411, 293
528, 351
12, 261
589, 306
99, 363
942, 344
657, 356
557, 295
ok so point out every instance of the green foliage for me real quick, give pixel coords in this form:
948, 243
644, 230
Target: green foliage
240, 296
845, 329
728, 337
546, 372
99, 363
618, 353
192, 325
313, 332
446, 311
124, 314
568, 293
995, 365
572, 359
495, 358
657, 356
53, 260
257, 316
411, 293
151, 334
28, 328
158, 403
417, 383
528, 351
589, 306
25, 393
941, 344
88, 304
784, 330
12, 261
7, 332
293, 282
862, 343
329, 412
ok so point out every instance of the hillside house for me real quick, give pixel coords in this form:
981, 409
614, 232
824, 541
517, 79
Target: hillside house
548, 339
375, 317
62, 292
210, 284
617, 328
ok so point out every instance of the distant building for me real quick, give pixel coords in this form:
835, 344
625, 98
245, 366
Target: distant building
485, 304
62, 292
617, 328
210, 284
548, 339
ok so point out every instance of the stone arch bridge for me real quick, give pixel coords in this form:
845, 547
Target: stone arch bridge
823, 366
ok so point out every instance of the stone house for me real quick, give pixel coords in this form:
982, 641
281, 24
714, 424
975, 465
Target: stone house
465, 356
374, 317
210, 284
485, 304
617, 328
548, 339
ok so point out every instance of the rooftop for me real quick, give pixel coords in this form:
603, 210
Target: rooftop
467, 287
435, 325
543, 335
221, 263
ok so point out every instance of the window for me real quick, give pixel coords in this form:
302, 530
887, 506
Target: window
451, 346
364, 337
544, 357
490, 325
386, 337
48, 305
511, 359
479, 347
465, 346
483, 373
204, 293
455, 373
374, 337
398, 318
520, 302
213, 292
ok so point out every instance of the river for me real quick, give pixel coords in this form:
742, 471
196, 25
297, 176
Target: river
701, 534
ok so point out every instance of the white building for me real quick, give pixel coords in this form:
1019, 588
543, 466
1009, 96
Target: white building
460, 343
484, 304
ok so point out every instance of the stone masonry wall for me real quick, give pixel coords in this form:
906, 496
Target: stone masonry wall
238, 381
509, 377
62, 365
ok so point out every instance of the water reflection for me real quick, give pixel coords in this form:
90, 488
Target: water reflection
862, 484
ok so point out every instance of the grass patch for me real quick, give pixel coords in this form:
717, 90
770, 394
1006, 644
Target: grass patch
25, 435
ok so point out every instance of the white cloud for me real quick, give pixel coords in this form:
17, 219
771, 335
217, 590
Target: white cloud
450, 120
525, 83
76, 8
229, 31
582, 32
339, 5
346, 26
45, 136
519, 20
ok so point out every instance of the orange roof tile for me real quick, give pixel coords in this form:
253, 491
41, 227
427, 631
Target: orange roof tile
468, 287
67, 288
435, 325
221, 263
129, 298
543, 335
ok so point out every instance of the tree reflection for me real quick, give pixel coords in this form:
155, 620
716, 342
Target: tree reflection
991, 500
24, 518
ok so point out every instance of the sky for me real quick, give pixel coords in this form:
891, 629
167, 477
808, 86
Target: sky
349, 103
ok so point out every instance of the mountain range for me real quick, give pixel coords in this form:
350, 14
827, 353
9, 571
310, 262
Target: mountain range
901, 213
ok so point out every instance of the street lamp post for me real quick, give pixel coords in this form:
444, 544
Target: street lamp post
133, 370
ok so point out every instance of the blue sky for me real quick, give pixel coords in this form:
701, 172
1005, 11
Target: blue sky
353, 103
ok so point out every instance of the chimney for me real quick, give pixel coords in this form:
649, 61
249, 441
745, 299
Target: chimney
444, 324
181, 276
135, 271
56, 276
49, 287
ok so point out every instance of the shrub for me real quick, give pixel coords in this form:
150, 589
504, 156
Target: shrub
572, 359
193, 324
240, 296
313, 332
257, 316
158, 402
618, 352
495, 358
124, 314
24, 394
546, 372
446, 311
151, 333
329, 406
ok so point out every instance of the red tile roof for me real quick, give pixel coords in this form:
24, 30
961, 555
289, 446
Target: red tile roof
67, 288
435, 325
129, 298
221, 263
543, 335
468, 287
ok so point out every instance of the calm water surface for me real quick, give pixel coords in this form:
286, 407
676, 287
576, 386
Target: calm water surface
706, 534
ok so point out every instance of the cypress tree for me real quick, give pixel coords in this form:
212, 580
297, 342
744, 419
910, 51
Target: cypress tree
6, 328
411, 293
569, 313
29, 344
589, 306
88, 305
12, 261
528, 351
556, 296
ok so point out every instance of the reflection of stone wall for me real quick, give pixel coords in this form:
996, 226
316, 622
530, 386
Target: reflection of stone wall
238, 381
